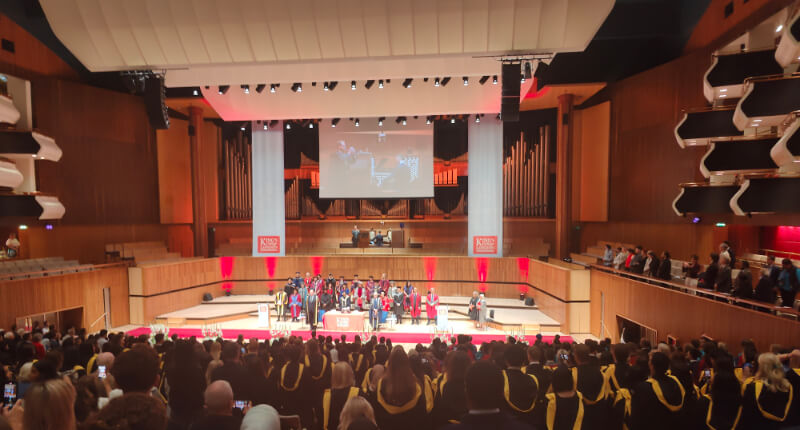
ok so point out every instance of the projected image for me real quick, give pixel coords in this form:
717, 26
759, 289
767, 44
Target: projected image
378, 163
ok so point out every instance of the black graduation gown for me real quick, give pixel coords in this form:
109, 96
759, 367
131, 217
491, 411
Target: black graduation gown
413, 415
717, 415
294, 391
589, 381
333, 401
450, 402
520, 392
763, 409
657, 404
563, 413
544, 377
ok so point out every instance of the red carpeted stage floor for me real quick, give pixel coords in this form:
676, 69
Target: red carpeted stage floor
407, 338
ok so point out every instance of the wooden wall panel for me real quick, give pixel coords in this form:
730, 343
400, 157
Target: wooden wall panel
681, 240
108, 172
174, 173
85, 243
593, 140
31, 57
682, 315
26, 297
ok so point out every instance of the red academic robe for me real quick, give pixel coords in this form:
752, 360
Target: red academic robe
431, 305
415, 305
384, 284
295, 303
307, 282
387, 303
360, 295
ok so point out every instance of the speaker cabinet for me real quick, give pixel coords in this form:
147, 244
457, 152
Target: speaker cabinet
154, 102
509, 107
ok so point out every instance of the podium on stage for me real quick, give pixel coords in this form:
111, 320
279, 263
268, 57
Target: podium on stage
442, 321
263, 315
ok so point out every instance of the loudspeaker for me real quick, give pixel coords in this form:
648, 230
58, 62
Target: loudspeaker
509, 106
207, 297
491, 314
154, 102
529, 301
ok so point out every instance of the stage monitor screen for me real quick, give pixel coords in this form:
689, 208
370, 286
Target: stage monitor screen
385, 161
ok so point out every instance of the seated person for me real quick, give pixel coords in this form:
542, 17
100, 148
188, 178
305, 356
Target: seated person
378, 239
388, 238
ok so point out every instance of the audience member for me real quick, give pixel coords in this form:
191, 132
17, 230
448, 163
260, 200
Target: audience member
357, 414
233, 371
261, 417
342, 389
708, 278
664, 267
743, 285
767, 398
219, 405
723, 282
484, 392
608, 256
658, 402
788, 282
132, 411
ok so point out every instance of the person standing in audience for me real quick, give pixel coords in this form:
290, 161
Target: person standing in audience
788, 283
619, 259
658, 402
655, 264
233, 372
590, 382
294, 387
691, 269
565, 406
379, 239
608, 256
450, 402
543, 375
767, 397
637, 262
665, 267
708, 278
521, 389
219, 404
261, 417
629, 259
12, 245
725, 249
723, 282
187, 383
743, 284
333, 400
400, 402
431, 305
772, 270
721, 406
357, 414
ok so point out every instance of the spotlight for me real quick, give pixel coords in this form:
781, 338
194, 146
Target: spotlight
494, 80
334, 122
483, 79
325, 86
477, 118
48, 226
297, 87
353, 85
453, 120
272, 88
380, 83
380, 121
222, 89
407, 82
521, 78
260, 88
527, 70
436, 82
428, 120
246, 88
288, 126
466, 81
696, 220
357, 122
23, 227
332, 85
445, 80
404, 121
401, 119
311, 124
242, 128
779, 28
369, 83
266, 125
194, 92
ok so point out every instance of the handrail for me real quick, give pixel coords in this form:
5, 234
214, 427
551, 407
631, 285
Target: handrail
775, 251
47, 272
674, 285
98, 319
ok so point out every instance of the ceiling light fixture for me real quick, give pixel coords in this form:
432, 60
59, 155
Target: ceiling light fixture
334, 122
266, 125
483, 79
332, 85
436, 82
369, 83
407, 82
325, 86
288, 126
222, 89
272, 88
428, 120
242, 128
779, 28
353, 85
453, 120
404, 121
466, 81
194, 92
527, 70
494, 80
246, 88
445, 80
297, 87
380, 121
357, 122
380, 84
477, 118
311, 124
522, 79
260, 88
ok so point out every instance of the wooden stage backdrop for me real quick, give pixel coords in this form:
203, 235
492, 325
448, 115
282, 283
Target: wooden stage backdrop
36, 296
560, 290
682, 315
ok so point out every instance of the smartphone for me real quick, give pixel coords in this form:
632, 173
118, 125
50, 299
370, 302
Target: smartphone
564, 357
101, 372
240, 404
10, 394
707, 373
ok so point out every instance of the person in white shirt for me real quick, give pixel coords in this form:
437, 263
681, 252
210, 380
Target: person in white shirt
12, 245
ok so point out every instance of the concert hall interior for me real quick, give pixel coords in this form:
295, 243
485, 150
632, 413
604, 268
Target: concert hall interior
592, 171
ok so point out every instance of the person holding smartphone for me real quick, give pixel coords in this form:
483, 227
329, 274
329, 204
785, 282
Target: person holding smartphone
220, 405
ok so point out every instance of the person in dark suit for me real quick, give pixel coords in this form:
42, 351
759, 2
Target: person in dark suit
219, 409
691, 269
665, 267
743, 285
637, 262
484, 390
708, 278
233, 371
289, 287
312, 309
375, 311
724, 282
399, 299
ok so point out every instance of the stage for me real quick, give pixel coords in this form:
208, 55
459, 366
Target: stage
237, 315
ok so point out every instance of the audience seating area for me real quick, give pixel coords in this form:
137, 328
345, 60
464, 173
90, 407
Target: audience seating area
140, 252
38, 267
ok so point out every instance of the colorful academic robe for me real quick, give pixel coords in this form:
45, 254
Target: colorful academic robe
280, 302
295, 304
432, 305
384, 284
415, 305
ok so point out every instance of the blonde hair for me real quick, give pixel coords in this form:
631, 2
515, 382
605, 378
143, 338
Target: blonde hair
211, 366
355, 408
50, 406
771, 372
342, 376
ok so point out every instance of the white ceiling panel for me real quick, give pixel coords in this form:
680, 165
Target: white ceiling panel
181, 35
